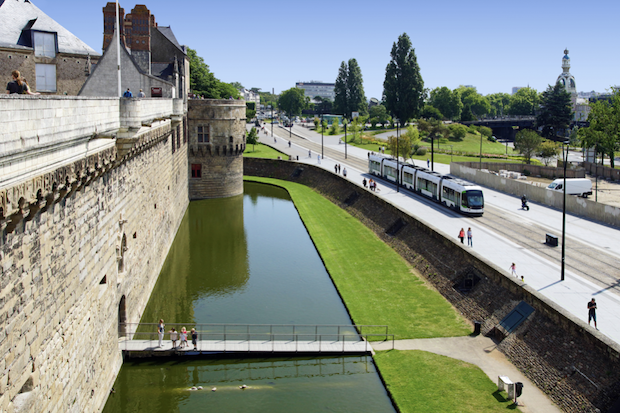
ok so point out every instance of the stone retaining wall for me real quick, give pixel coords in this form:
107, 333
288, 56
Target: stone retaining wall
602, 171
547, 348
574, 205
550, 172
72, 270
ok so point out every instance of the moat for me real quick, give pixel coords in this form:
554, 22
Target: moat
247, 259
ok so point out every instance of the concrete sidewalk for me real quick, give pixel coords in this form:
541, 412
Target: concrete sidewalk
482, 352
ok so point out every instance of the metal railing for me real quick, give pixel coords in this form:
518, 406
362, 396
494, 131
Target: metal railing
257, 335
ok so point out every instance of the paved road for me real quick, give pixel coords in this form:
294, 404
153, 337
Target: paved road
505, 234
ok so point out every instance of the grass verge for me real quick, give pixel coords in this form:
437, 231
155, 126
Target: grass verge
424, 382
262, 151
377, 285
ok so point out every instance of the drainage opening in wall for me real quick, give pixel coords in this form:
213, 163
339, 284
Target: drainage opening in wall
104, 280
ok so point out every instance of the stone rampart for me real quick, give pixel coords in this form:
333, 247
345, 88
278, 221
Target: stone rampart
549, 347
81, 248
215, 156
574, 205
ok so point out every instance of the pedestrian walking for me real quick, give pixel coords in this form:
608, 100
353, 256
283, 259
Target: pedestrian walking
513, 269
289, 144
309, 153
364, 182
160, 331
592, 312
462, 235
318, 158
174, 336
344, 172
274, 139
336, 168
428, 163
339, 168
195, 338
470, 241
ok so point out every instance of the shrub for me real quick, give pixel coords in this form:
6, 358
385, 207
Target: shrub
526, 172
492, 138
421, 151
458, 131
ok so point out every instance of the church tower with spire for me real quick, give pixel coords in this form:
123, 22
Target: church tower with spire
566, 79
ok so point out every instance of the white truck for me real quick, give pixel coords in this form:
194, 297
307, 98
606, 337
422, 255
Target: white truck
574, 186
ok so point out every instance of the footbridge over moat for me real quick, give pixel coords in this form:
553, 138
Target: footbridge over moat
141, 340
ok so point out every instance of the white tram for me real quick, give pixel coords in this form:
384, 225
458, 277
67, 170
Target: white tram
454, 193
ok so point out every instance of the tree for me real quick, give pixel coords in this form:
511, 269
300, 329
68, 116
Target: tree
458, 131
548, 150
403, 85
252, 137
604, 131
355, 90
434, 129
556, 111
447, 102
324, 106
237, 85
527, 142
226, 91
250, 110
403, 143
341, 100
201, 80
524, 103
431, 112
485, 131
379, 113
293, 101
499, 103
474, 104
349, 90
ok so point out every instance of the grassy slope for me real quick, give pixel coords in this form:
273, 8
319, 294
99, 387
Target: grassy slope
377, 285
262, 151
423, 382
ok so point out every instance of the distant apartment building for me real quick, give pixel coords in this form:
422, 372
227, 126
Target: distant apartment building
516, 88
314, 88
250, 96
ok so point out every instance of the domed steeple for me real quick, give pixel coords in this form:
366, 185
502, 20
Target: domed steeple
566, 79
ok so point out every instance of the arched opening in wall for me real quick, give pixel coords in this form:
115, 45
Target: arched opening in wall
121, 254
122, 318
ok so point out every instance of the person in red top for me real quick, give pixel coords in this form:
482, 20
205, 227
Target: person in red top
462, 235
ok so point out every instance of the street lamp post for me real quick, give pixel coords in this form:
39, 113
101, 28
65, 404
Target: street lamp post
564, 215
322, 134
480, 151
345, 138
451, 153
272, 93
397, 160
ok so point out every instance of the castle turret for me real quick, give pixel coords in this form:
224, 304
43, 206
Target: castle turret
216, 145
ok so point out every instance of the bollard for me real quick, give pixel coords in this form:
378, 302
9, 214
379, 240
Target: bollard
477, 326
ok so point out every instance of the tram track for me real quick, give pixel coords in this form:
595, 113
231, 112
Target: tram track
591, 263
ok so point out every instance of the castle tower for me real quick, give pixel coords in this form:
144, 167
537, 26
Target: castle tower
216, 130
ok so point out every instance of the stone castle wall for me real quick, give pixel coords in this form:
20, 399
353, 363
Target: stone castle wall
82, 255
219, 155
549, 347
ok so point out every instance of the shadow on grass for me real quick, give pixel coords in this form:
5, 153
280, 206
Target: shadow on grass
500, 397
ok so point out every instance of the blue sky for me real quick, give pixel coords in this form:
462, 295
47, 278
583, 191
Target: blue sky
488, 44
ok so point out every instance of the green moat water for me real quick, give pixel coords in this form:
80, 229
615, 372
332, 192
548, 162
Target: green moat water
247, 259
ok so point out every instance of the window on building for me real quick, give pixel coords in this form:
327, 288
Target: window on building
203, 134
46, 77
44, 44
196, 170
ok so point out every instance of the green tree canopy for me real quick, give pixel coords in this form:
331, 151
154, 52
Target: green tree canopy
548, 150
527, 142
474, 104
603, 134
447, 101
500, 102
403, 85
379, 113
525, 102
349, 90
252, 137
556, 111
293, 101
237, 85
431, 112
458, 131
203, 82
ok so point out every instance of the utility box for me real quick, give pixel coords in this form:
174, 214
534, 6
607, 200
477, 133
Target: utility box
551, 240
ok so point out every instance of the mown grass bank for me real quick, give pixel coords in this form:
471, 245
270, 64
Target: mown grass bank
262, 151
377, 285
423, 382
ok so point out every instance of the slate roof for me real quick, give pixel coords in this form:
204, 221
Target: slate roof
19, 15
167, 32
